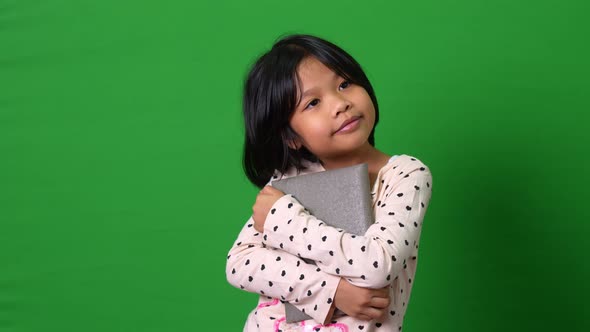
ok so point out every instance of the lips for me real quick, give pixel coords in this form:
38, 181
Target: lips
347, 122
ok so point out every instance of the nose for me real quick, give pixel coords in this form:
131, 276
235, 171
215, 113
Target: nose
341, 104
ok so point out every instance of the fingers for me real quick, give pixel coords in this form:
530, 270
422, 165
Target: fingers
381, 292
265, 189
380, 302
375, 305
270, 190
363, 317
371, 313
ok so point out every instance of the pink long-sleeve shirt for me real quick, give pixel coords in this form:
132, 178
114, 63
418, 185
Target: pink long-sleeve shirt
270, 263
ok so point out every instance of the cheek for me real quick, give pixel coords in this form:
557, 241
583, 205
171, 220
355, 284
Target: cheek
364, 100
372, 113
317, 127
370, 108
309, 127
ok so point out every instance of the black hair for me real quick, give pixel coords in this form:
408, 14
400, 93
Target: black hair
270, 98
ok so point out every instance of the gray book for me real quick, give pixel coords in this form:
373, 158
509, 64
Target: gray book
341, 198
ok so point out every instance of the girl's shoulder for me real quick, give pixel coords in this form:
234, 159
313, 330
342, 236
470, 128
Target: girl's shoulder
404, 160
401, 165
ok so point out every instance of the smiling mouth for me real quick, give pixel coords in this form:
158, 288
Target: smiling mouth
349, 124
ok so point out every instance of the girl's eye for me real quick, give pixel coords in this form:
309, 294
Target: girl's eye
312, 103
344, 85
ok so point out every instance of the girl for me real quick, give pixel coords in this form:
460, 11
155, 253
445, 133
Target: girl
309, 107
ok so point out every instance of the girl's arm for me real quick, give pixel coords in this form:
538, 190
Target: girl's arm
372, 260
275, 273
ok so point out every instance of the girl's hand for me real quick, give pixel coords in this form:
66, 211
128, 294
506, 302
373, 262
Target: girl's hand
362, 303
264, 201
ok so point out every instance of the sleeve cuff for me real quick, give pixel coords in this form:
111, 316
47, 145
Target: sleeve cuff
318, 306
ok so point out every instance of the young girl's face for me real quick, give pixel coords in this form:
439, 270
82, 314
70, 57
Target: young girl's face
334, 118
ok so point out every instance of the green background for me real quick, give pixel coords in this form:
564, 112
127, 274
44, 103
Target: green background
121, 187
